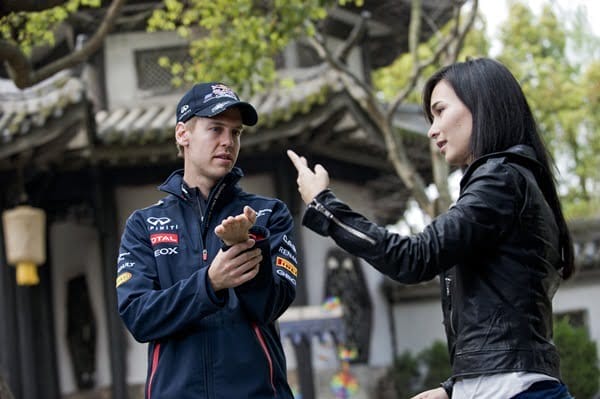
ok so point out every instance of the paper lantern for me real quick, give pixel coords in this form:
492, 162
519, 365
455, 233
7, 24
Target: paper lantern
25, 241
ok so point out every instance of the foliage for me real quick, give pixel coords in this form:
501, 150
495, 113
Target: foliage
409, 374
542, 51
579, 359
391, 79
29, 29
558, 66
236, 40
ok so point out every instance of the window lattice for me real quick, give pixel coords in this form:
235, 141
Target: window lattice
150, 75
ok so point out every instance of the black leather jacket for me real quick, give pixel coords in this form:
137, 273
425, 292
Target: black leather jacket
496, 254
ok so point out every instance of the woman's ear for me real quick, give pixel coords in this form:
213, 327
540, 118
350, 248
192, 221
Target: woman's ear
181, 134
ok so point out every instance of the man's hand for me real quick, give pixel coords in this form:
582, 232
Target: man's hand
309, 183
235, 266
437, 393
234, 229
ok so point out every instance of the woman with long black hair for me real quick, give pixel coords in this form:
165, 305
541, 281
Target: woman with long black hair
500, 251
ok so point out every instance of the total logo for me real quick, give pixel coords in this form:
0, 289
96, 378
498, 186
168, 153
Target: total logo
160, 224
164, 238
165, 251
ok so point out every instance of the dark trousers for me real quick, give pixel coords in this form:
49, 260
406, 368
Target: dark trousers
545, 390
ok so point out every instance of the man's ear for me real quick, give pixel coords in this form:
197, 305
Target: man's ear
181, 134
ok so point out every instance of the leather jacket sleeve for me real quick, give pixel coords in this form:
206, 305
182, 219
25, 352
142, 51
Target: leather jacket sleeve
486, 208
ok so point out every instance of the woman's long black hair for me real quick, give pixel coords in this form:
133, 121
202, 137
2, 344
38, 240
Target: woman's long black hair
502, 118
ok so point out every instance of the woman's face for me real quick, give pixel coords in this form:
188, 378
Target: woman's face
452, 125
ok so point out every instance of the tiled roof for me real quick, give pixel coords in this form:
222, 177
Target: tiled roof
156, 123
316, 98
24, 110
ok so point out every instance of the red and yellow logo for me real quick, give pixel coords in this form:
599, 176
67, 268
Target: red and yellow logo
287, 265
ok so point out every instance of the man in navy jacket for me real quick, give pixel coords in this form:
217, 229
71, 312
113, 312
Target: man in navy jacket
204, 274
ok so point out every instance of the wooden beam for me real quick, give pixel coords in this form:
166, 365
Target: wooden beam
106, 222
10, 363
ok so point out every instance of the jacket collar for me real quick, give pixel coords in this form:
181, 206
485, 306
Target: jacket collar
520, 153
174, 184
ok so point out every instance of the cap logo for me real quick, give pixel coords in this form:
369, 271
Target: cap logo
218, 91
219, 106
184, 108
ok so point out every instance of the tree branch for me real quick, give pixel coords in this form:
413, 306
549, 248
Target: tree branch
20, 69
396, 150
384, 120
358, 32
443, 46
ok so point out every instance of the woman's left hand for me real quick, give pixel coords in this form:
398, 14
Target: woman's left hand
309, 183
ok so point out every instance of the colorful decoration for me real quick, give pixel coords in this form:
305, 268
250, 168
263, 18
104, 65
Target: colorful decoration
347, 354
332, 303
344, 384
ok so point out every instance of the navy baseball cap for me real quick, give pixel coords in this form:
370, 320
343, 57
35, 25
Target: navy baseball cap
210, 99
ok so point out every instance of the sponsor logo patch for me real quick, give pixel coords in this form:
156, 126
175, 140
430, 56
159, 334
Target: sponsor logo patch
158, 221
288, 254
125, 266
162, 238
160, 224
287, 276
263, 212
122, 256
218, 91
287, 265
289, 242
123, 278
165, 251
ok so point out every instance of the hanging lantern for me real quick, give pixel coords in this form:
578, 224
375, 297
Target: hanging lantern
25, 241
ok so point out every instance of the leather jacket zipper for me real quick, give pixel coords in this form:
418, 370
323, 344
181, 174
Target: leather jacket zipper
355, 232
448, 281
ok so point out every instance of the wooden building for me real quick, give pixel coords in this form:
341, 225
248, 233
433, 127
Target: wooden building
90, 145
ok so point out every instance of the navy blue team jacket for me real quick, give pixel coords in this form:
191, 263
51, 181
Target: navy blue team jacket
204, 345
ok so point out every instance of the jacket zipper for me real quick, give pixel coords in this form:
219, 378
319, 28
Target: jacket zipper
155, 356
265, 349
204, 221
201, 217
355, 232
448, 281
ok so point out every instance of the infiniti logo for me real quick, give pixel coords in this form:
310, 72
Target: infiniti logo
158, 221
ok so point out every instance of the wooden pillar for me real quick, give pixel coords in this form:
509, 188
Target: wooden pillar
286, 190
47, 361
10, 364
35, 326
28, 334
107, 224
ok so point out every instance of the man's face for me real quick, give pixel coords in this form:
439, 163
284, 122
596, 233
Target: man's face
210, 145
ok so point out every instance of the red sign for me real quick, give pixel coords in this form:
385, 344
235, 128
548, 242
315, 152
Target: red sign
164, 238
